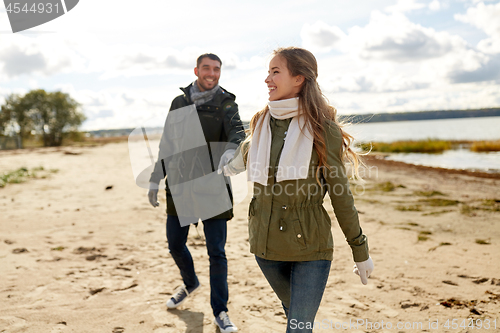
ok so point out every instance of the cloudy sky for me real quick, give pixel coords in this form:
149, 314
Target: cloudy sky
125, 60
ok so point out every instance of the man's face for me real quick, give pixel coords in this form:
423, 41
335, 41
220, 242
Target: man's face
208, 74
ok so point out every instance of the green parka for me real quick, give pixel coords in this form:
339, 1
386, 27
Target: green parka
287, 220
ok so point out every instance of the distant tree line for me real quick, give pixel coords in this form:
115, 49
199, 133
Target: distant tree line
420, 115
48, 114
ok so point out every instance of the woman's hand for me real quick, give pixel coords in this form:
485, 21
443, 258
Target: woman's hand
364, 269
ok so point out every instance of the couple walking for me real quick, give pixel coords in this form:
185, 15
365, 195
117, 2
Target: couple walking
295, 152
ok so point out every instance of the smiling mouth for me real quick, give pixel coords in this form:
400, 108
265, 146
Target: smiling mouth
271, 89
209, 80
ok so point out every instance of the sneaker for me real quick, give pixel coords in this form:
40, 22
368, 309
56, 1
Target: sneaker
224, 323
180, 296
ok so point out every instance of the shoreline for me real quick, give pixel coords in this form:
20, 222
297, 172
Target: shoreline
379, 159
375, 158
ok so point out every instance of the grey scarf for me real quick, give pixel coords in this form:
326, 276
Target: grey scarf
201, 97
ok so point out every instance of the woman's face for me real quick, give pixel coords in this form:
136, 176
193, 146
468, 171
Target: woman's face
280, 83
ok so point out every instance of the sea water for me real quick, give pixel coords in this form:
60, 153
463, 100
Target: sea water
481, 128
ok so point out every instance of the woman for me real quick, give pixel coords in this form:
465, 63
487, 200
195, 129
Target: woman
294, 154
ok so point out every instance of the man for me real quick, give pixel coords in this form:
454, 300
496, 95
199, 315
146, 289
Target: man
220, 122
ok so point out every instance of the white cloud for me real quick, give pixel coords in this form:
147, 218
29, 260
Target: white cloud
121, 106
449, 97
44, 55
487, 69
133, 60
50, 54
141, 60
475, 2
435, 5
395, 38
105, 114
340, 75
321, 36
33, 84
486, 18
463, 65
364, 82
387, 63
17, 61
403, 6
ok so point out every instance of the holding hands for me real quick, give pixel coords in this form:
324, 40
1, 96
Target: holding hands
224, 160
231, 165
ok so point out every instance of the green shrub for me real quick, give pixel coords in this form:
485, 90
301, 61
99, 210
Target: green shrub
23, 174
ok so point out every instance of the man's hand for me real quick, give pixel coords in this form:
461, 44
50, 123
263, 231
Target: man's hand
153, 194
225, 158
364, 269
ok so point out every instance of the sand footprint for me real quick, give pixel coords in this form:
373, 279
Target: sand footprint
12, 323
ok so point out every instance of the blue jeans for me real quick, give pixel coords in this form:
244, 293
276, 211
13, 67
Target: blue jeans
215, 235
300, 286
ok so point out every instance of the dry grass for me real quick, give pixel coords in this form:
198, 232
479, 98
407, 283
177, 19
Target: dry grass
423, 146
410, 208
428, 193
485, 146
429, 146
438, 202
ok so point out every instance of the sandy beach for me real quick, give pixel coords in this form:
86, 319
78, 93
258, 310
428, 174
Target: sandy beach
82, 250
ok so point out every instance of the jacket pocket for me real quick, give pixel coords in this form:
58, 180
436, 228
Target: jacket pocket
253, 229
251, 208
299, 234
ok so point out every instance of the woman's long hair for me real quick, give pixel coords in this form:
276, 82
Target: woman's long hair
314, 106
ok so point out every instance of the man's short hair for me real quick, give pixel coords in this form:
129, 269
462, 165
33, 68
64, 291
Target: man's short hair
207, 55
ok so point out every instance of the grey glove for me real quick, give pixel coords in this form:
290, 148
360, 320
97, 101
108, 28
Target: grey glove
153, 194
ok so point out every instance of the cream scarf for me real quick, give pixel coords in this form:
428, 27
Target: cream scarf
297, 150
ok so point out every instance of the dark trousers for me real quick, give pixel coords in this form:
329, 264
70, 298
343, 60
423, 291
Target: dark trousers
299, 285
215, 235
